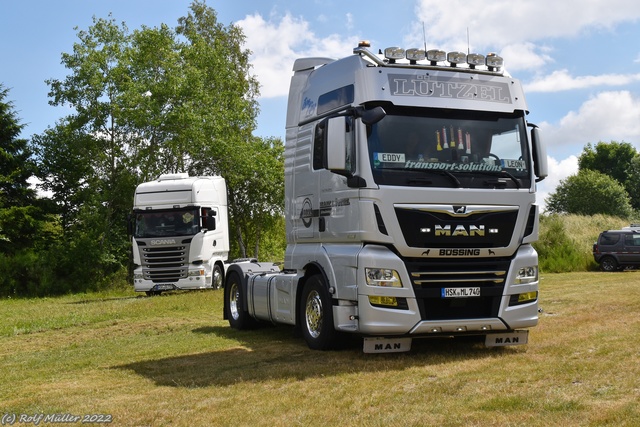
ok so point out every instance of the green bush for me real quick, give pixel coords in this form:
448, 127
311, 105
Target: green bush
565, 242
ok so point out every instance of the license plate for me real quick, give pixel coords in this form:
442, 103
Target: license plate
163, 287
506, 338
460, 292
386, 345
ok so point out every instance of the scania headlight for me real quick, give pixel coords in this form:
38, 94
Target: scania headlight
198, 272
383, 277
527, 275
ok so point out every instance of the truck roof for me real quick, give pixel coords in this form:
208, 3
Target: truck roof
322, 86
180, 190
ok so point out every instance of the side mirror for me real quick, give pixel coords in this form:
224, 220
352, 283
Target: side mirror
540, 164
336, 151
208, 219
371, 117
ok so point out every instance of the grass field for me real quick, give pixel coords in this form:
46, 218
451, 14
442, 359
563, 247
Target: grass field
172, 361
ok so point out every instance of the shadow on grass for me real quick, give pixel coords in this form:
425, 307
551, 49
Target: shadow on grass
272, 353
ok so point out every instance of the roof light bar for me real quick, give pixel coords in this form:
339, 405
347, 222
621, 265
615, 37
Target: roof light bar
398, 56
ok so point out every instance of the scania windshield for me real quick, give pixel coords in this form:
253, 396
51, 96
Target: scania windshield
175, 222
471, 149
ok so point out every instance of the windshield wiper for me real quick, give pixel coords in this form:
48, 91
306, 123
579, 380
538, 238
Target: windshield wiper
437, 172
502, 173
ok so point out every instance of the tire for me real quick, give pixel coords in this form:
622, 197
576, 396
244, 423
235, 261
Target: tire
316, 315
609, 263
234, 304
216, 277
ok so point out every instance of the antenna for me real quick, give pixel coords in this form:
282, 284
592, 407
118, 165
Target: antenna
424, 36
468, 42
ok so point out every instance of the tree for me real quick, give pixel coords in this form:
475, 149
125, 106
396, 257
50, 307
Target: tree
588, 193
619, 160
19, 217
256, 192
147, 102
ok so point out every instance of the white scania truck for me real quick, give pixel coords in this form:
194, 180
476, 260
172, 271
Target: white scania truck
410, 184
180, 234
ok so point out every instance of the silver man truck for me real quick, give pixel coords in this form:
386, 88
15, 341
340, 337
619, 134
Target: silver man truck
410, 185
179, 233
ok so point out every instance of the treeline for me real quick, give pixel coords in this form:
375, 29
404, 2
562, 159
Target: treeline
607, 182
144, 102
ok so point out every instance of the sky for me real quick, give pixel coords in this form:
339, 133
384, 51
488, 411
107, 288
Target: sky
579, 62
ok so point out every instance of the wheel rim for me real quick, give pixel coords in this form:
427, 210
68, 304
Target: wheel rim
608, 264
313, 314
234, 299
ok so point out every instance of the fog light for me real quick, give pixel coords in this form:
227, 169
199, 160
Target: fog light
383, 300
527, 296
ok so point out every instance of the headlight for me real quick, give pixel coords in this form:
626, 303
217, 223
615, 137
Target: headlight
383, 277
198, 272
137, 276
527, 275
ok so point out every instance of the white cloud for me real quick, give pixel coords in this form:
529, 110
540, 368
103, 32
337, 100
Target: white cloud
562, 80
277, 43
519, 30
558, 170
503, 22
608, 116
524, 56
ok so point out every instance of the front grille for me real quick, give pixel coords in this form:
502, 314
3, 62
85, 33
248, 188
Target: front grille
429, 277
165, 264
437, 228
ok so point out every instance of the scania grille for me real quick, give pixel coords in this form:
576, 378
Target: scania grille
430, 277
163, 264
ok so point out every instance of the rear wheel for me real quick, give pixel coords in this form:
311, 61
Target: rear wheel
609, 264
316, 315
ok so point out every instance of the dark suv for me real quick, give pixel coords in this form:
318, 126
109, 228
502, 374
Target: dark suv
618, 249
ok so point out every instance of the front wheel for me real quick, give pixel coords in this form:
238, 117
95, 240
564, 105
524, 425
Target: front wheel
316, 315
608, 264
234, 297
216, 279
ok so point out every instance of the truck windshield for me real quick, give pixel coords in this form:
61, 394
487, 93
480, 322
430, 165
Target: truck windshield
174, 222
452, 148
